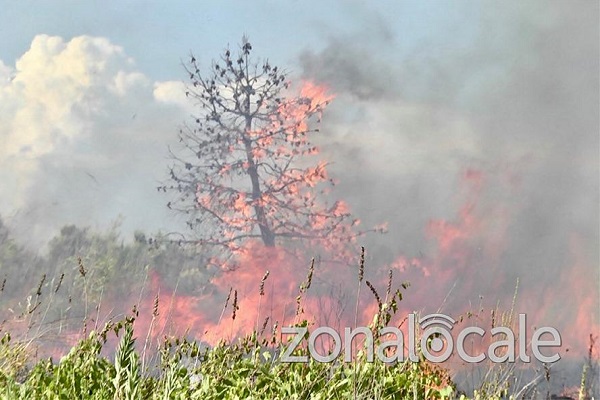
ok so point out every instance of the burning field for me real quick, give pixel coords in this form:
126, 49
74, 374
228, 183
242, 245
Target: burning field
379, 176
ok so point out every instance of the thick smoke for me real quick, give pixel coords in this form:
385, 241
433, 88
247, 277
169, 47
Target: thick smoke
515, 105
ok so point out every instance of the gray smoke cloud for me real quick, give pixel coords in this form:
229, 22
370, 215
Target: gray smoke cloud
518, 101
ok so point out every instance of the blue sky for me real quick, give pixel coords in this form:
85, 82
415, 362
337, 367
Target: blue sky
158, 34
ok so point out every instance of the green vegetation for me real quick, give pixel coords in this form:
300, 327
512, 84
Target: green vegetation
115, 360
247, 369
87, 266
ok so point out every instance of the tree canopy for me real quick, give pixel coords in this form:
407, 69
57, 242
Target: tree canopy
246, 168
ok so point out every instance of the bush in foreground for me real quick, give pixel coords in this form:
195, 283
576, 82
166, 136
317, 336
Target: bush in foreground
248, 368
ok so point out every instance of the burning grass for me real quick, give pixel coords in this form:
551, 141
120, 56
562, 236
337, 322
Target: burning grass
144, 354
180, 367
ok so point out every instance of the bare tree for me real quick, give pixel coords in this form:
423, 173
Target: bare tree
246, 169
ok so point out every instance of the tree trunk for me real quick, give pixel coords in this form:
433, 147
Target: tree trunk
266, 234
